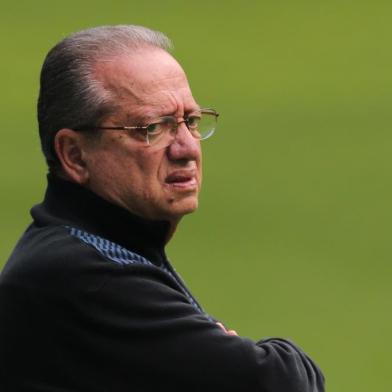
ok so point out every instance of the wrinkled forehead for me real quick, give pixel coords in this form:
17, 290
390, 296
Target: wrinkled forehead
149, 78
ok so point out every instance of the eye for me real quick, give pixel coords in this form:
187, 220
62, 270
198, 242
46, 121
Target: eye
193, 121
154, 129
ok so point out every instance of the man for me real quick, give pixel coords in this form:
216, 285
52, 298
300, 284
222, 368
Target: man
88, 299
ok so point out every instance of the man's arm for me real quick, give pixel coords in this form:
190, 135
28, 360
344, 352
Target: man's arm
152, 326
87, 324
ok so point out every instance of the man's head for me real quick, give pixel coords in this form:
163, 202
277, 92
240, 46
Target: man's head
115, 77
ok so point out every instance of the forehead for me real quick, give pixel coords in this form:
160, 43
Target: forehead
147, 83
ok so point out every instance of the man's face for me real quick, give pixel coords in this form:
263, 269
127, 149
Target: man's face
155, 183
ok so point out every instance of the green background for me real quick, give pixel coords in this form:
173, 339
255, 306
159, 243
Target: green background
292, 237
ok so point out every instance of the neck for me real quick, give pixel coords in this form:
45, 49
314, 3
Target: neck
69, 204
172, 229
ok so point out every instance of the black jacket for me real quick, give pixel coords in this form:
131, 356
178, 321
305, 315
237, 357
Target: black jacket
89, 303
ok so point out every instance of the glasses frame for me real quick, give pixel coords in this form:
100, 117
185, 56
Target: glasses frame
160, 120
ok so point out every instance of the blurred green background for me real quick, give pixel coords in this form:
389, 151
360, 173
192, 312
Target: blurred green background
292, 237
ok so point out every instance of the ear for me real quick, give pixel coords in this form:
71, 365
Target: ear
70, 149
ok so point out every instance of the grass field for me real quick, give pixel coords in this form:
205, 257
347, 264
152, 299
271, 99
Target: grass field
293, 235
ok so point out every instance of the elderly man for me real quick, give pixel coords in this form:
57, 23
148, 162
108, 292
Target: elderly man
88, 299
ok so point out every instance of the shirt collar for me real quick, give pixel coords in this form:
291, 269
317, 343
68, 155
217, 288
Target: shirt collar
67, 203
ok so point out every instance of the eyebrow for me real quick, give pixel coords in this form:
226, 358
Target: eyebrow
143, 120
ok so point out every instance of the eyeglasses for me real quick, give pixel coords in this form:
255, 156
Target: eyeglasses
201, 124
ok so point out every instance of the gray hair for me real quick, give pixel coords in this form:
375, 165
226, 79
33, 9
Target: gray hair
69, 95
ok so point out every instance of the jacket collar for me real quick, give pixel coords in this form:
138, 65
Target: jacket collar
70, 204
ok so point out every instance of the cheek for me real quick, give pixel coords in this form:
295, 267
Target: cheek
105, 174
148, 168
200, 165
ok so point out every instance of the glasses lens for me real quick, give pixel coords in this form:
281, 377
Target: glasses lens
162, 132
202, 124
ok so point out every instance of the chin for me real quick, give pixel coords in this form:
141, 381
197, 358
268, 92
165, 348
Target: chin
179, 208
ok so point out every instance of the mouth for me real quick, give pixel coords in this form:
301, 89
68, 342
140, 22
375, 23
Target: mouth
182, 180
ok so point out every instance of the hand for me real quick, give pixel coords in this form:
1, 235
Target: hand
228, 331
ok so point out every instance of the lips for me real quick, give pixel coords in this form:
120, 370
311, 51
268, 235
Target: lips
182, 179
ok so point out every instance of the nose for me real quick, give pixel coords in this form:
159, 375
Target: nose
184, 146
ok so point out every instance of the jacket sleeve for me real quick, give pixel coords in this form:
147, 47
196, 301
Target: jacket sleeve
78, 322
139, 327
